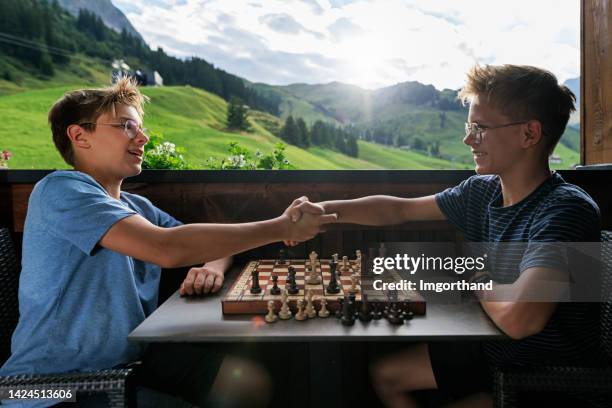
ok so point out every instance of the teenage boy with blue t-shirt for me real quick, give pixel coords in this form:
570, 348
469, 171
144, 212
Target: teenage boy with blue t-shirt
517, 115
92, 254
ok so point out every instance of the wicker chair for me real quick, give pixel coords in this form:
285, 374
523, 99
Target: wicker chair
115, 383
597, 381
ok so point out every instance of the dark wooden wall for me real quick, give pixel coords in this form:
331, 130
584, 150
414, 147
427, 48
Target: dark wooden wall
251, 196
596, 82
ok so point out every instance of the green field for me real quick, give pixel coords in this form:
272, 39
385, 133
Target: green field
195, 120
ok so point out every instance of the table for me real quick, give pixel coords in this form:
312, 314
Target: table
184, 319
324, 347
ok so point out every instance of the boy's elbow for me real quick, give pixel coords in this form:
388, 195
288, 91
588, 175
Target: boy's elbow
520, 327
167, 254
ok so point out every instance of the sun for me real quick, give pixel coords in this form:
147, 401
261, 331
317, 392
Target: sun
365, 61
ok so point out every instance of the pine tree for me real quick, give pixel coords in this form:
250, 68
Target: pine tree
304, 136
290, 131
237, 115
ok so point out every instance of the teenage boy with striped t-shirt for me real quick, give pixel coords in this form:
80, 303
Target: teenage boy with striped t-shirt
517, 115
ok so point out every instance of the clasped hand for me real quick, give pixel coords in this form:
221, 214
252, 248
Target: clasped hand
306, 220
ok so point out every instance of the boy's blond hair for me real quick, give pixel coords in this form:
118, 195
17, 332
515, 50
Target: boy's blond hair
523, 93
84, 107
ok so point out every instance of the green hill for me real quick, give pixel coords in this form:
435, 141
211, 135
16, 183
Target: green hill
191, 118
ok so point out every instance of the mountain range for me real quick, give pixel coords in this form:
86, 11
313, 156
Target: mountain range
106, 10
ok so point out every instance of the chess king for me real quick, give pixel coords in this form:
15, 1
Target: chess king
516, 117
92, 256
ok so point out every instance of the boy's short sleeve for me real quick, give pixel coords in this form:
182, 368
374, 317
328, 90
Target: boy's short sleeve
78, 210
565, 220
453, 203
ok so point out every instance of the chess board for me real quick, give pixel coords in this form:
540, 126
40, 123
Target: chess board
240, 300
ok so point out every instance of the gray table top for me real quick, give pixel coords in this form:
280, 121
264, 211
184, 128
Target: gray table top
184, 319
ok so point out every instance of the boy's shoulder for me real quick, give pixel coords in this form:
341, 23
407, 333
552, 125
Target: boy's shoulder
65, 180
567, 194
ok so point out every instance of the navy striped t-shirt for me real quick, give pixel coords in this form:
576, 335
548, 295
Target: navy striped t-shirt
556, 211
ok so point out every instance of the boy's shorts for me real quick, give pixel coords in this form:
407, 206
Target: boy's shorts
460, 368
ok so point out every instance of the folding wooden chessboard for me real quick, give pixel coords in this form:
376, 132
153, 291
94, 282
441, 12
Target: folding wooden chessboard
240, 300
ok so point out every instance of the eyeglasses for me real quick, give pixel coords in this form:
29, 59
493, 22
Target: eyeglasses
475, 130
131, 128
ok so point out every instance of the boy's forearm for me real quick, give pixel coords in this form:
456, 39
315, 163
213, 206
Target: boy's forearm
371, 210
196, 243
221, 264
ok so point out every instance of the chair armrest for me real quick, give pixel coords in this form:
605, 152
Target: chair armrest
574, 379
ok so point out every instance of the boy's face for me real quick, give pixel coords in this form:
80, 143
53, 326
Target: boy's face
499, 150
112, 152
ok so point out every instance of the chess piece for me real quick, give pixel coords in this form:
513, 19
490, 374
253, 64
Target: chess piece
393, 315
310, 310
323, 312
300, 315
345, 264
333, 286
293, 288
281, 257
313, 278
353, 288
255, 288
271, 317
335, 258
365, 313
376, 312
348, 317
407, 313
275, 290
313, 257
285, 312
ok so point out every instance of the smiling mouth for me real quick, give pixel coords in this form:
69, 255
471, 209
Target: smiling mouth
478, 154
136, 153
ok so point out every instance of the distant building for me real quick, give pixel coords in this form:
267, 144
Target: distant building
148, 78
554, 159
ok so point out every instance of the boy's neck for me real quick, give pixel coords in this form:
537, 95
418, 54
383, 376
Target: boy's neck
518, 184
112, 185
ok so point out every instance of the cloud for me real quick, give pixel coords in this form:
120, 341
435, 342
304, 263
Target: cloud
344, 28
367, 42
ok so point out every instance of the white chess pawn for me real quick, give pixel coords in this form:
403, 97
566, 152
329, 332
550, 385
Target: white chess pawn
353, 288
345, 263
335, 258
323, 312
300, 315
310, 309
271, 317
285, 312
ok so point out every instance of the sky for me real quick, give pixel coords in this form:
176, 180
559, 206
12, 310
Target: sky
369, 43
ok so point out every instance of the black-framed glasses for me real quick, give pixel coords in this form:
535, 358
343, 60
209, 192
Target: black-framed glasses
476, 130
131, 128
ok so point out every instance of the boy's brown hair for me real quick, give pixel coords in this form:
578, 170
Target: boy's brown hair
523, 93
86, 105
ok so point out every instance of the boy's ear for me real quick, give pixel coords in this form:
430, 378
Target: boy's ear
533, 133
78, 136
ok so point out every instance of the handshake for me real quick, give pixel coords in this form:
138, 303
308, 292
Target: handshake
304, 219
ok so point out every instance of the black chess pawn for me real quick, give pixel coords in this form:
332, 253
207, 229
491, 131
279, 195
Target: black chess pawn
365, 312
340, 307
408, 314
377, 313
394, 315
293, 288
255, 288
348, 316
333, 286
275, 290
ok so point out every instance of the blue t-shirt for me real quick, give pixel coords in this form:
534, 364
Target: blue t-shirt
77, 300
556, 211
